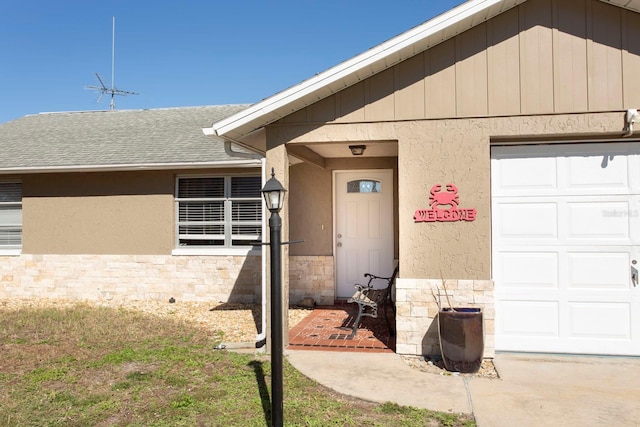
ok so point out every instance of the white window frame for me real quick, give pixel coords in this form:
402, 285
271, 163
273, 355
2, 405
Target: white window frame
12, 249
227, 248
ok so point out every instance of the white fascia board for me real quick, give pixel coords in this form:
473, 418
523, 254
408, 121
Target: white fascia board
351, 66
245, 163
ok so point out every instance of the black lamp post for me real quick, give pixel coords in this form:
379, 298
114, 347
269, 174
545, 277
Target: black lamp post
273, 193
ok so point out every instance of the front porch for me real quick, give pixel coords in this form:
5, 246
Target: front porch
327, 328
415, 324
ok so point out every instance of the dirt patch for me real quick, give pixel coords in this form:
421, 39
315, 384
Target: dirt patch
238, 322
436, 366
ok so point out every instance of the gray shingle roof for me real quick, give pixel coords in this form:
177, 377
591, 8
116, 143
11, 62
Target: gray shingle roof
112, 138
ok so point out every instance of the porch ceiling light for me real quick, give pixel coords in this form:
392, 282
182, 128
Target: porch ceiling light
357, 150
273, 193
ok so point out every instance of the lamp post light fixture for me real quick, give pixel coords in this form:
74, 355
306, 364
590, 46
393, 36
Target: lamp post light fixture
273, 193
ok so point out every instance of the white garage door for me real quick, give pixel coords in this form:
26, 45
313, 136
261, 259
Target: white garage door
566, 232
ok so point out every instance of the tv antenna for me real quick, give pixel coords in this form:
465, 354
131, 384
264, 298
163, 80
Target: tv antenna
103, 89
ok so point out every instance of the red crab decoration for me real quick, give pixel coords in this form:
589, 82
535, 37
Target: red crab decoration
448, 197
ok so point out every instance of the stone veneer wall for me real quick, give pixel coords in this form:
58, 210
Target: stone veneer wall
416, 324
132, 277
311, 276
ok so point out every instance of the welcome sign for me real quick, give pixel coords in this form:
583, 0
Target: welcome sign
447, 197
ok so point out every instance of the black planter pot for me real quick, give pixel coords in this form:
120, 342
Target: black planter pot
461, 339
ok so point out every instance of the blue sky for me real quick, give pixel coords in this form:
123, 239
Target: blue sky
183, 53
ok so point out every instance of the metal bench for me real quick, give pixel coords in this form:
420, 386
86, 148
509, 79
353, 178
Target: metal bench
370, 299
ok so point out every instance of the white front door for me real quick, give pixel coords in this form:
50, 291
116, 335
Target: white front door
566, 232
364, 227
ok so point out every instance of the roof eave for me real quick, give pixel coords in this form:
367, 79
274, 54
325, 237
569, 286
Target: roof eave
242, 163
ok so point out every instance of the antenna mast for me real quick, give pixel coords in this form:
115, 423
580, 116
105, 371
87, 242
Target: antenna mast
112, 90
113, 58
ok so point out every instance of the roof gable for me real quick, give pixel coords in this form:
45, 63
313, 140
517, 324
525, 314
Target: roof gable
541, 57
369, 63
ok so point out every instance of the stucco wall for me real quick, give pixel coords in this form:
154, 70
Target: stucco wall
311, 212
99, 213
433, 153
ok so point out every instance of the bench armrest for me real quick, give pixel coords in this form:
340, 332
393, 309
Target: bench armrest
371, 276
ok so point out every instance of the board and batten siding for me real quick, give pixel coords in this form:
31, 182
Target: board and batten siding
541, 57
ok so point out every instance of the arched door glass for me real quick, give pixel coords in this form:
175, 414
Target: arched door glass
363, 186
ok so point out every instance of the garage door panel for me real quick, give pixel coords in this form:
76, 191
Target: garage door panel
598, 172
598, 270
528, 220
528, 269
593, 220
610, 321
529, 318
526, 175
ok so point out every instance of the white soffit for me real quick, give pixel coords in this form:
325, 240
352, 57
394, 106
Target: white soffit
368, 63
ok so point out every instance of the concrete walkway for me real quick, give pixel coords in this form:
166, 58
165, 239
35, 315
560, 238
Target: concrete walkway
533, 390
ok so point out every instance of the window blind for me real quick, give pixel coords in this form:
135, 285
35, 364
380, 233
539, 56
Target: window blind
10, 214
219, 211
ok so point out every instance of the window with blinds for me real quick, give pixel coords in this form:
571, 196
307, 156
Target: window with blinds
219, 211
10, 215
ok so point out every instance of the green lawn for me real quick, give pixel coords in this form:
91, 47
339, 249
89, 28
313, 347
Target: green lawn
96, 366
